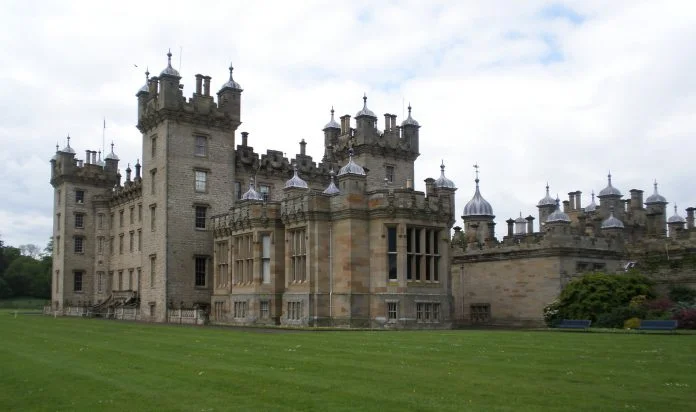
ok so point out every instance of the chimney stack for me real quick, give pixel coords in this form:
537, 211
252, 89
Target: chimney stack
530, 224
510, 222
303, 146
690, 217
88, 155
345, 124
199, 81
387, 122
578, 202
571, 201
245, 138
137, 169
206, 85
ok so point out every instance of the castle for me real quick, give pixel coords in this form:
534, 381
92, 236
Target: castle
251, 238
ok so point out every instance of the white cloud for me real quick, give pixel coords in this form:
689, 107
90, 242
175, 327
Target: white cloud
619, 93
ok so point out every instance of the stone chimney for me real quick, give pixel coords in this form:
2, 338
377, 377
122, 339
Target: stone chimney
245, 138
199, 82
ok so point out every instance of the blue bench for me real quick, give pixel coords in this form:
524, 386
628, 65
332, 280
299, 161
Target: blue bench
574, 324
670, 325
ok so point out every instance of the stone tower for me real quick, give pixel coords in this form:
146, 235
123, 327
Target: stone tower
387, 155
78, 187
188, 148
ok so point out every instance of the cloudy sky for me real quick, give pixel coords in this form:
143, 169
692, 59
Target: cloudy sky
532, 91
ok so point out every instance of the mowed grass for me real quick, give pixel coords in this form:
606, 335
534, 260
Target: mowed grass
69, 364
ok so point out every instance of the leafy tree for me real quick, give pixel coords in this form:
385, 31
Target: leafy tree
31, 250
680, 293
597, 294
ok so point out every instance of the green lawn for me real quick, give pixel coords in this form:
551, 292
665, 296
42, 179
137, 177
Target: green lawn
71, 364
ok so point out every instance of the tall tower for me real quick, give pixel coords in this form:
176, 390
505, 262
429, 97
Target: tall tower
78, 186
188, 176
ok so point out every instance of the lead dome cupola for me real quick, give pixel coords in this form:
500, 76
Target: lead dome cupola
477, 206
169, 70
655, 198
442, 181
609, 190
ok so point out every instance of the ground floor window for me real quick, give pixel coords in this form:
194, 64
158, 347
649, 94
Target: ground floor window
294, 310
77, 284
480, 313
427, 312
265, 309
392, 311
219, 310
240, 309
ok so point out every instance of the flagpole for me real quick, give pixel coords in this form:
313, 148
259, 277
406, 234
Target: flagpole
103, 133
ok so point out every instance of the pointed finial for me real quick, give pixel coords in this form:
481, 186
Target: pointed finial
68, 139
409, 109
137, 162
332, 173
675, 208
365, 99
147, 74
442, 165
332, 111
112, 146
169, 57
56, 146
609, 178
476, 166
231, 69
593, 196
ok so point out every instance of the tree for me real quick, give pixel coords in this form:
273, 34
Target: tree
31, 250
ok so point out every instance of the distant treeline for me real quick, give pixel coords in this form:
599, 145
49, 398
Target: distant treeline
25, 271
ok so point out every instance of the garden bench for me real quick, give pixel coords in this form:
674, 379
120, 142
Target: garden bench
574, 324
670, 325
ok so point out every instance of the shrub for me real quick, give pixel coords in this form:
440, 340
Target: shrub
633, 323
686, 318
597, 294
551, 316
680, 293
660, 308
616, 317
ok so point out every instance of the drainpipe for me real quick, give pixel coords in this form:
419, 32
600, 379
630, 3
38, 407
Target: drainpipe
331, 271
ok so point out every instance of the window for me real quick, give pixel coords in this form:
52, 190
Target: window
264, 309
294, 310
201, 181
111, 221
57, 245
237, 190
298, 255
131, 242
131, 214
152, 309
153, 181
100, 245
480, 313
100, 221
201, 148
140, 213
58, 197
200, 217
265, 191
80, 196
57, 281
137, 282
111, 245
153, 267
153, 146
100, 282
120, 280
389, 173
427, 312
79, 244
79, 220
392, 311
200, 270
244, 259
77, 281
130, 279
391, 253
422, 255
120, 244
153, 217
266, 259
140, 240
58, 221
240, 309
120, 218
221, 257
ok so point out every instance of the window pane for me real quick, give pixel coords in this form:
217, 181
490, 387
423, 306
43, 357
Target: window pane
391, 239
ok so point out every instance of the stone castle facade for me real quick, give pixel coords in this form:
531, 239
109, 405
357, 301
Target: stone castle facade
206, 222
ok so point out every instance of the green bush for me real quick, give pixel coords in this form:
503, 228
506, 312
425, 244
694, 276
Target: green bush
680, 293
604, 298
633, 323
